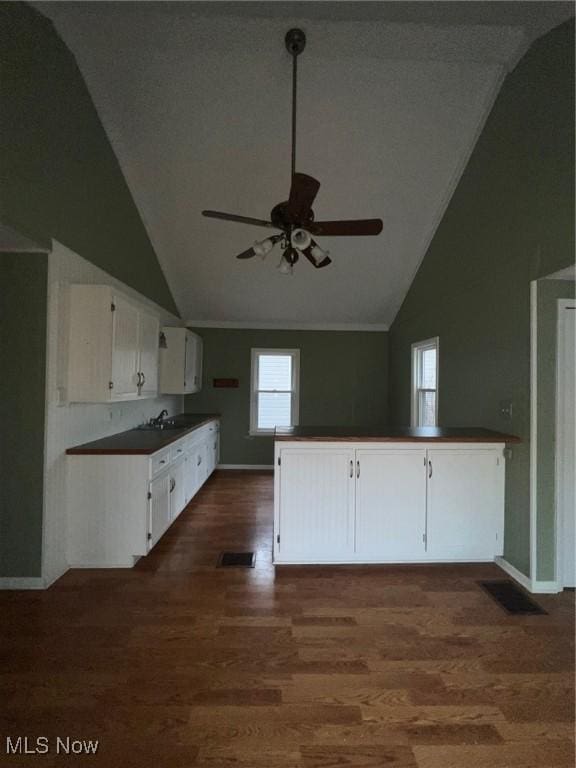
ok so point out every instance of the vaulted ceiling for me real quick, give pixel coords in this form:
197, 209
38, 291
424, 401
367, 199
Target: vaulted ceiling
195, 98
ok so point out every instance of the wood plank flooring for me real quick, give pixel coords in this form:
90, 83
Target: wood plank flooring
180, 663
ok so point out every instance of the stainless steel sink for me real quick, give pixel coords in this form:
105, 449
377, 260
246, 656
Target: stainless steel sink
163, 425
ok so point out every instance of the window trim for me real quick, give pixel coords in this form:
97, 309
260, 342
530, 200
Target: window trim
417, 348
295, 400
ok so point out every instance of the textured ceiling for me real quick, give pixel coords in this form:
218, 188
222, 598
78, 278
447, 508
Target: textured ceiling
195, 98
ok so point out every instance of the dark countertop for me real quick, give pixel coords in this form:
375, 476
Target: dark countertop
142, 441
396, 434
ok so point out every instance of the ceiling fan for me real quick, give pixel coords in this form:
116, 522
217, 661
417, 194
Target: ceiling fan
295, 217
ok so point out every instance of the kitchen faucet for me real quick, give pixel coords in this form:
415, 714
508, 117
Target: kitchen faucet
158, 419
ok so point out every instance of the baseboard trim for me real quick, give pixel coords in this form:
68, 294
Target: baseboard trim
532, 585
22, 582
511, 570
50, 580
246, 466
100, 566
545, 587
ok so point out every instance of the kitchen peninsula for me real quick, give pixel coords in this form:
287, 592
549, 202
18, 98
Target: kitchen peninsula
388, 495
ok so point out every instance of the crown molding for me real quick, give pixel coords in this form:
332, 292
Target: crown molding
256, 326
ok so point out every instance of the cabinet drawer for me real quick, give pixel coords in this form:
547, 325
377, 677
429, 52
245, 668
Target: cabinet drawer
177, 450
159, 461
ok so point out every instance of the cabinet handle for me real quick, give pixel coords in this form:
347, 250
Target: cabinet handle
179, 450
162, 461
199, 461
429, 468
172, 484
357, 469
351, 468
143, 379
139, 382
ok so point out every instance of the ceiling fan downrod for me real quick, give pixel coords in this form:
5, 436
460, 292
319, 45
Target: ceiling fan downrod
295, 43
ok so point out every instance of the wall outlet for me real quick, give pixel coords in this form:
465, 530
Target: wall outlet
506, 409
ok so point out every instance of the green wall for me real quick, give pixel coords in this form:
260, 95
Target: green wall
60, 177
549, 291
23, 381
343, 380
511, 220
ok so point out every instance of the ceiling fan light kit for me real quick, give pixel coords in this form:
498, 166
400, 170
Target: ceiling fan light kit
300, 239
295, 217
263, 247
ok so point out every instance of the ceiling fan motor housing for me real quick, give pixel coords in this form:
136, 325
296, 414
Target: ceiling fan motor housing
295, 41
281, 218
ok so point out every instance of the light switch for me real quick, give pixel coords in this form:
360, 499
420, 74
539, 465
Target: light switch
506, 409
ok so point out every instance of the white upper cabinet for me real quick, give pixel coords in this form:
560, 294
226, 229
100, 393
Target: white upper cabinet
113, 347
124, 376
149, 364
181, 362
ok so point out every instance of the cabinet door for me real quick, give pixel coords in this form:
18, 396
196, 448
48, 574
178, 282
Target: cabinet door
148, 367
192, 363
189, 363
191, 480
206, 458
199, 345
390, 504
124, 350
177, 488
316, 505
214, 442
159, 508
464, 504
200, 464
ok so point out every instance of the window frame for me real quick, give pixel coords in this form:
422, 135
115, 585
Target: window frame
256, 352
417, 348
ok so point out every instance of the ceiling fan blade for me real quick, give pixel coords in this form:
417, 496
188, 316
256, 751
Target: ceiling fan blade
241, 219
302, 194
246, 254
350, 228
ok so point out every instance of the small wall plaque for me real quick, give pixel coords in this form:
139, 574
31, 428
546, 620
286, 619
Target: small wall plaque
225, 383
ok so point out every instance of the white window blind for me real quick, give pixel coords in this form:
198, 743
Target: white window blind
275, 380
425, 383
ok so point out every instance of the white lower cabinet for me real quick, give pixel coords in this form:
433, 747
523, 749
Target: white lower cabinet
465, 504
121, 505
177, 487
317, 504
390, 504
159, 505
387, 503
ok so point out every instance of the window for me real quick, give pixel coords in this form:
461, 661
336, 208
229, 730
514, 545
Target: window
425, 383
275, 385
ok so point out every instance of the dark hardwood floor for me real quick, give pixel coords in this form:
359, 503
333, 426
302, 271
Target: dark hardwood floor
180, 663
